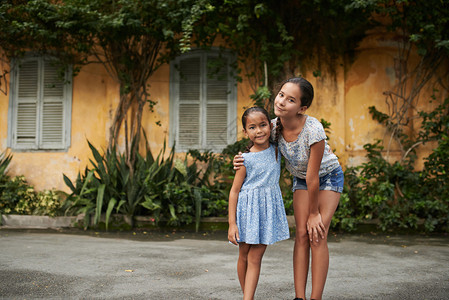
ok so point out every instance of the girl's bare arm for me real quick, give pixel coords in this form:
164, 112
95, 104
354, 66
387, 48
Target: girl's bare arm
233, 232
315, 225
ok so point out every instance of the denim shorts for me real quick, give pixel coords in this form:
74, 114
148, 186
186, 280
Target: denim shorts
330, 182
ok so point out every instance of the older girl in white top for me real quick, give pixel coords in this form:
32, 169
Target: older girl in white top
317, 181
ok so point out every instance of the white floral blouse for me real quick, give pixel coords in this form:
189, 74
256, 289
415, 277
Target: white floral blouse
297, 152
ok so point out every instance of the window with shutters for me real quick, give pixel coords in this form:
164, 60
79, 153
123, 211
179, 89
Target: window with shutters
40, 105
202, 101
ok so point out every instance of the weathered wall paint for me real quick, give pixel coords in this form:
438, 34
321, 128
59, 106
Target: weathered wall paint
366, 79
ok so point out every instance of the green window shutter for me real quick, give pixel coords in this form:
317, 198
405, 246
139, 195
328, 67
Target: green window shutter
189, 109
217, 103
52, 120
27, 105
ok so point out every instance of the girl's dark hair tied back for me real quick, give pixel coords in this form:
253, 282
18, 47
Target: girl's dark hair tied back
278, 131
245, 116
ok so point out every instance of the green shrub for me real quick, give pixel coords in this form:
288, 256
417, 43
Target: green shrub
48, 203
18, 197
344, 217
434, 204
379, 190
114, 183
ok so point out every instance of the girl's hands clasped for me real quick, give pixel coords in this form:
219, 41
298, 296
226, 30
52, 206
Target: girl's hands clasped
315, 228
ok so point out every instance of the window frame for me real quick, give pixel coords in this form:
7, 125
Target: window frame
38, 145
174, 100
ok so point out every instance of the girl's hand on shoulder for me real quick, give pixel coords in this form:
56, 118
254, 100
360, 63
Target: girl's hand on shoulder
238, 161
233, 234
315, 228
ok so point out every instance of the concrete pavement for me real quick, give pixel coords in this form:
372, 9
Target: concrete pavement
72, 264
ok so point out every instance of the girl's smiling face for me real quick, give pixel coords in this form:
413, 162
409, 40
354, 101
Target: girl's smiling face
258, 129
287, 103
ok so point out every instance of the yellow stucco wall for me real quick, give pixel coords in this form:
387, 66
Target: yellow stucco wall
4, 103
343, 101
159, 92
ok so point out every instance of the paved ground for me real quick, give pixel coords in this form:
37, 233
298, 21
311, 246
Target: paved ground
179, 265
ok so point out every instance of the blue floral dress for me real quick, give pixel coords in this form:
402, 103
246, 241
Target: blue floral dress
261, 215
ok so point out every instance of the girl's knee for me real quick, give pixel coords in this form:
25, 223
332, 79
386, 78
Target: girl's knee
254, 259
321, 244
243, 255
243, 258
255, 254
302, 237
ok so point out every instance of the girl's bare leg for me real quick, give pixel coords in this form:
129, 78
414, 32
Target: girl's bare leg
302, 246
255, 255
327, 204
242, 263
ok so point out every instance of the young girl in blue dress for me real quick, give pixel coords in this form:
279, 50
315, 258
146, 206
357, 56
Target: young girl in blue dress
317, 181
256, 209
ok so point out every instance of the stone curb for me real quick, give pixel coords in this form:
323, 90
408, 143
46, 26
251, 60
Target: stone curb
31, 222
27, 222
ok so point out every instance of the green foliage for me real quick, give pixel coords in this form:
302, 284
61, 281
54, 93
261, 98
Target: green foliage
424, 22
272, 32
261, 96
47, 203
380, 190
72, 28
198, 9
435, 175
18, 197
435, 124
189, 194
345, 217
326, 127
110, 185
